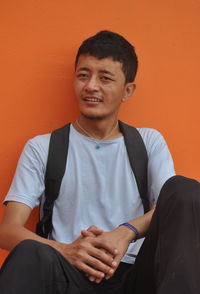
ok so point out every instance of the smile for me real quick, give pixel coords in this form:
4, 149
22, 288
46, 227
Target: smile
92, 99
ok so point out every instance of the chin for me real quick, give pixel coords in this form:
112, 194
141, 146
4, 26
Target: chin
93, 116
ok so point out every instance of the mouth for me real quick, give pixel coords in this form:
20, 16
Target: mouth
92, 99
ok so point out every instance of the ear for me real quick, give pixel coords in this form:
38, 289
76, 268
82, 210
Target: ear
128, 91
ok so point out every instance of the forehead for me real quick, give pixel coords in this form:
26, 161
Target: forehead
92, 63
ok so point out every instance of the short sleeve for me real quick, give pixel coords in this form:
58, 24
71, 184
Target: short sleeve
160, 162
28, 182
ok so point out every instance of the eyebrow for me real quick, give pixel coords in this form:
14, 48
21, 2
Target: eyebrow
83, 68
101, 71
107, 72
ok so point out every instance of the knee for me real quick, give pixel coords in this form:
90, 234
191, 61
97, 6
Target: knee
29, 246
33, 250
180, 191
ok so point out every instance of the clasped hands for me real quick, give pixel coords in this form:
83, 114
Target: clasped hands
113, 247
96, 253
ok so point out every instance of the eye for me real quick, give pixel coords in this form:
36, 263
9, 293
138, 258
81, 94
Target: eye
106, 78
82, 75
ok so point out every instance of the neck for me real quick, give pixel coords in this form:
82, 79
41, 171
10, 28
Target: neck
98, 129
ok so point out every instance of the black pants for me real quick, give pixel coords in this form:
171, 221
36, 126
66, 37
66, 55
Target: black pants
168, 261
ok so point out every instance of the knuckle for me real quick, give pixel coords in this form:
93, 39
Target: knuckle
79, 254
77, 263
82, 244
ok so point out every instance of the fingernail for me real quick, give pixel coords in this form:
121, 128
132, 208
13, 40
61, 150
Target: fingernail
114, 263
115, 251
91, 279
111, 271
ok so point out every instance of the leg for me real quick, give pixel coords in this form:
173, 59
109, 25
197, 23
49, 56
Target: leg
35, 268
169, 260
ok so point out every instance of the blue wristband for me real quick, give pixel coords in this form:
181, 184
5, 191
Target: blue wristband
133, 229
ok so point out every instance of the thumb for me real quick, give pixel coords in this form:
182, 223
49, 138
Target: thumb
91, 231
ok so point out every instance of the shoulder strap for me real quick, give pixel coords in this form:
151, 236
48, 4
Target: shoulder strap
138, 159
56, 165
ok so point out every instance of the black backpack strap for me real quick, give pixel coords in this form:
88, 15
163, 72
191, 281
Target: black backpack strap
138, 159
56, 165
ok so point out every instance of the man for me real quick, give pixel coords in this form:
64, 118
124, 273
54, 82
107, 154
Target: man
99, 211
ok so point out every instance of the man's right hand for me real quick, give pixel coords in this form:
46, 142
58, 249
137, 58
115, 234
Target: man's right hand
85, 253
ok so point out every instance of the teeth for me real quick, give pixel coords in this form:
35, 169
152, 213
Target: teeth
92, 99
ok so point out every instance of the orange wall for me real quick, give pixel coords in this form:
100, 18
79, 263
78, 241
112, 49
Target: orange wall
38, 44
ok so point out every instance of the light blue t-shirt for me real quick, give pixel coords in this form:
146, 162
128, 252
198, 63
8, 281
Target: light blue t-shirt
98, 187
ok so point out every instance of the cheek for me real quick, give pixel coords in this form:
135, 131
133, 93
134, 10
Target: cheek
115, 96
77, 88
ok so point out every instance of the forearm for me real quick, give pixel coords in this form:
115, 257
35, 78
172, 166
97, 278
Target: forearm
140, 223
12, 234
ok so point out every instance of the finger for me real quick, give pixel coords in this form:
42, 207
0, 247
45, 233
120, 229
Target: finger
98, 281
107, 252
92, 228
99, 265
91, 272
86, 233
107, 276
116, 262
102, 244
95, 230
109, 258
91, 231
103, 256
95, 280
94, 258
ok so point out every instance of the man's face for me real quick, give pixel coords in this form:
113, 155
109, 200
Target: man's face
99, 86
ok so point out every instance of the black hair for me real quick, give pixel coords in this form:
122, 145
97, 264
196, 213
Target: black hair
109, 44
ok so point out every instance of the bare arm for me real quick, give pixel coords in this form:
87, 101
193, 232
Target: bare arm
83, 253
12, 230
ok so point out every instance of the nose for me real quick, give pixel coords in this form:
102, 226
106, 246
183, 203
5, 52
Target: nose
92, 84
